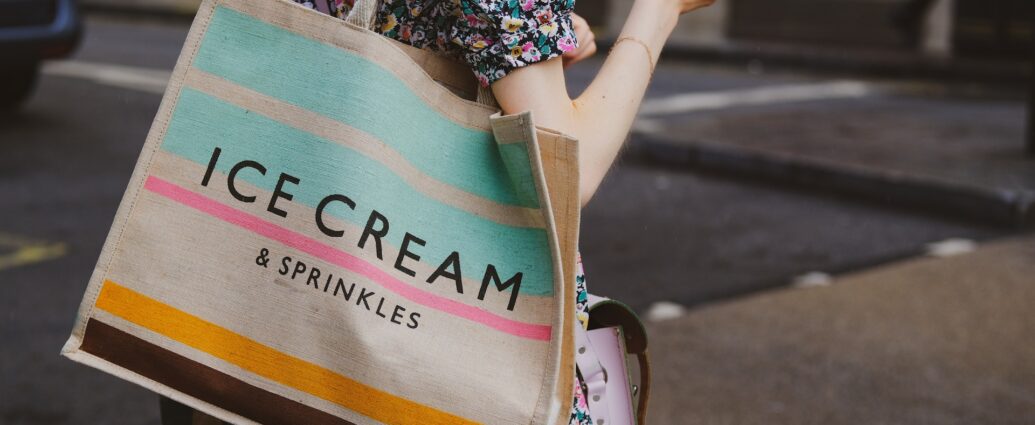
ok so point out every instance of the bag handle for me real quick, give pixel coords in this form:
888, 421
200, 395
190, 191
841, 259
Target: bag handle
364, 14
643, 390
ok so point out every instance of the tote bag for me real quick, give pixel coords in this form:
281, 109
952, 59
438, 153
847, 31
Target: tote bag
319, 230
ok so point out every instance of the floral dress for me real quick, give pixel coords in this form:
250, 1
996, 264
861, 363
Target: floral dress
493, 37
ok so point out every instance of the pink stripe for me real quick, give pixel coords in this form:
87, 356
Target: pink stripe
343, 259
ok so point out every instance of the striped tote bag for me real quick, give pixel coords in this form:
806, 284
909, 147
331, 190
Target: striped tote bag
324, 227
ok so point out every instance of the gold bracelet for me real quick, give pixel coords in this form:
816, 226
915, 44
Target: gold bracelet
650, 54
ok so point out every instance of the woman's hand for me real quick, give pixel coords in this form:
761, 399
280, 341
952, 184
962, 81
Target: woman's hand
587, 42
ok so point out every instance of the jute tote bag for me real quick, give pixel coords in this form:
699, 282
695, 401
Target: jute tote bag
318, 231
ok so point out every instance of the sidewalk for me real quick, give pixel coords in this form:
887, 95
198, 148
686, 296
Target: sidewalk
955, 156
926, 341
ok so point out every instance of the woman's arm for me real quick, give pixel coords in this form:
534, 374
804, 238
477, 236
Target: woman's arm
601, 117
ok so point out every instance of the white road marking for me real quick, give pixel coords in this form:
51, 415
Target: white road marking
689, 102
647, 125
664, 310
951, 247
128, 77
812, 280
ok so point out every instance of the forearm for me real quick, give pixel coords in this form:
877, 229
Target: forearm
604, 113
600, 118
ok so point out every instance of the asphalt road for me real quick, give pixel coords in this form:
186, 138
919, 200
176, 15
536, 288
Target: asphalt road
652, 234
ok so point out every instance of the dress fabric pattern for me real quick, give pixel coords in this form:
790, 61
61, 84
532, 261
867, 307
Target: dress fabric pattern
493, 37
580, 407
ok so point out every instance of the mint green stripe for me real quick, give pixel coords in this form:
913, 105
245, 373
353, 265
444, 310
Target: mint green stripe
201, 122
359, 93
519, 169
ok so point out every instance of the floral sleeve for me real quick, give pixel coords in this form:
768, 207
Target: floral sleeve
498, 36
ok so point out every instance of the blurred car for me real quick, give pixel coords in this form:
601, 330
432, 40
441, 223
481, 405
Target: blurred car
30, 32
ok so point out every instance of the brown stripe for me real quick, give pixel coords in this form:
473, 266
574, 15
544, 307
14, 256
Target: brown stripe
197, 380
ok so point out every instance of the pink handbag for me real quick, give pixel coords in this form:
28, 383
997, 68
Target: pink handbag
602, 355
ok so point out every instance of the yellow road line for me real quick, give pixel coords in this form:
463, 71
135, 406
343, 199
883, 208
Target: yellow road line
28, 251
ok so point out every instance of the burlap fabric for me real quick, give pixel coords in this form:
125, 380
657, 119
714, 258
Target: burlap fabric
321, 229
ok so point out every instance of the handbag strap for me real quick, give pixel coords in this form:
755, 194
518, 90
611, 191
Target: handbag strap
364, 14
644, 389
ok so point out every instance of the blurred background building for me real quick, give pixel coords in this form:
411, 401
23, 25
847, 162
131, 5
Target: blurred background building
956, 28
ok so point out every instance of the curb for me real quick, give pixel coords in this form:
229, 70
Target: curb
890, 64
996, 206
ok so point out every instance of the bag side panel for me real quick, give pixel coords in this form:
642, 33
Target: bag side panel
559, 155
554, 166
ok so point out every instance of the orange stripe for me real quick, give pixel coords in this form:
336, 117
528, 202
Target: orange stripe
265, 361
